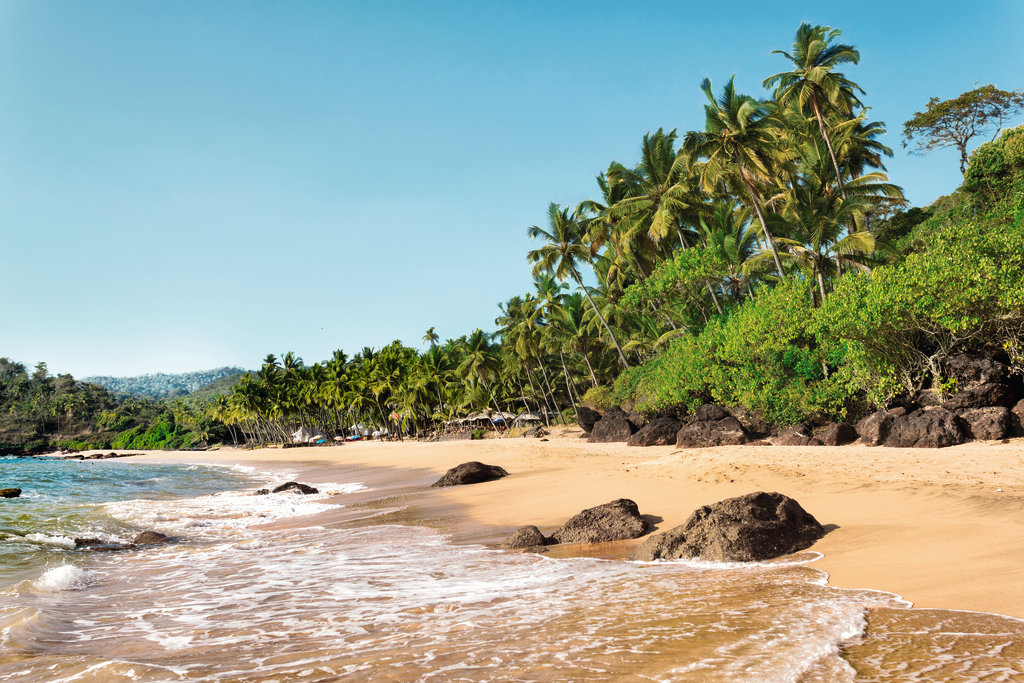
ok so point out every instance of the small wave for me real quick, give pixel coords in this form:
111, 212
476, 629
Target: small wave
62, 541
697, 563
66, 577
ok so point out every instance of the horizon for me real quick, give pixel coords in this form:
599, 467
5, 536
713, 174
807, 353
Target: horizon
196, 186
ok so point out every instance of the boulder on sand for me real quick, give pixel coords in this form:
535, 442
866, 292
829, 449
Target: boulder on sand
525, 537
10, 493
614, 521
709, 426
304, 489
585, 418
754, 527
926, 428
470, 473
1018, 415
797, 435
874, 429
836, 434
988, 424
534, 433
614, 426
661, 431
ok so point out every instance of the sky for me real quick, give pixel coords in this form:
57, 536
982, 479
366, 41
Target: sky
186, 185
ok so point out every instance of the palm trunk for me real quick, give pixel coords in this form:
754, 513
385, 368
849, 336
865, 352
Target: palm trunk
554, 401
569, 388
828, 143
615, 342
755, 202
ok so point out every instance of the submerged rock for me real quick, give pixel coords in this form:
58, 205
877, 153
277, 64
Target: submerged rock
470, 473
614, 521
927, 428
661, 431
10, 493
304, 489
150, 538
525, 537
757, 526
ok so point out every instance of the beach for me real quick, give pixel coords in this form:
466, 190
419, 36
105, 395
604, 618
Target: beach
939, 527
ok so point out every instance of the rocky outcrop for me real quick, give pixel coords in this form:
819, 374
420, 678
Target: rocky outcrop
709, 426
10, 493
753, 424
614, 521
637, 419
980, 396
988, 424
926, 428
797, 435
470, 473
1018, 415
586, 418
757, 526
613, 426
304, 489
151, 538
836, 434
874, 429
525, 537
661, 431
970, 370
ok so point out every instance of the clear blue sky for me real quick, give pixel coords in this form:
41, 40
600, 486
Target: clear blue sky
185, 185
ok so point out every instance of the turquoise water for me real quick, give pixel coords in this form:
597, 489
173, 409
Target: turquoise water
65, 499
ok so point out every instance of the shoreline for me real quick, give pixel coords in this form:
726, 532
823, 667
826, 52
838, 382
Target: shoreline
930, 525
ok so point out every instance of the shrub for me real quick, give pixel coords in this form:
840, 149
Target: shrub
477, 434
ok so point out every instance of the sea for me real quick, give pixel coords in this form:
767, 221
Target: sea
261, 588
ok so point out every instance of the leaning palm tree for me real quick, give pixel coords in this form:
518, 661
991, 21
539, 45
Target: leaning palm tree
560, 256
738, 140
813, 82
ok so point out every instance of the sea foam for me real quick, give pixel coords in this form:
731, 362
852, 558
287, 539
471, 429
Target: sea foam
66, 577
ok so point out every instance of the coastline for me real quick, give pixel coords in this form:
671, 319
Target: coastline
926, 524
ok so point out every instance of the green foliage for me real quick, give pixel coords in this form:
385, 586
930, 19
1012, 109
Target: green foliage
680, 282
996, 167
598, 398
477, 434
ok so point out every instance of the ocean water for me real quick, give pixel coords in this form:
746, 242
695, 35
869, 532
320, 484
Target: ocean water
234, 599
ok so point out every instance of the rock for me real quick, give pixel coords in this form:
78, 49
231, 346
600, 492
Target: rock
759, 442
874, 429
262, 492
585, 418
614, 521
470, 473
534, 433
10, 493
96, 544
612, 427
929, 398
754, 527
981, 396
304, 489
150, 538
988, 424
525, 537
797, 435
753, 424
971, 370
926, 428
837, 434
637, 419
661, 431
706, 429
1018, 414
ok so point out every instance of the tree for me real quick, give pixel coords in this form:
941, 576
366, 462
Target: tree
431, 337
954, 122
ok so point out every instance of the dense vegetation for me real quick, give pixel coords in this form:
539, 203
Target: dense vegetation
163, 385
765, 261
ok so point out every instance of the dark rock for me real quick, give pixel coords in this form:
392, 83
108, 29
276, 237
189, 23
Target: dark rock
757, 526
614, 521
586, 418
988, 424
99, 545
926, 428
637, 419
534, 433
874, 429
262, 492
470, 473
1018, 415
709, 412
981, 396
612, 427
304, 489
797, 435
697, 433
753, 424
661, 431
525, 537
971, 370
10, 493
929, 398
150, 538
837, 434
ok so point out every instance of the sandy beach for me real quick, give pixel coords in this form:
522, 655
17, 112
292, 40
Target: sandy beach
942, 528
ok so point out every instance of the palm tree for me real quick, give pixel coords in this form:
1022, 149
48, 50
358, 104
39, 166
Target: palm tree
738, 137
813, 82
431, 337
564, 249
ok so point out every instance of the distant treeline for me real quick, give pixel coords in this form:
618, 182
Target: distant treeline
162, 385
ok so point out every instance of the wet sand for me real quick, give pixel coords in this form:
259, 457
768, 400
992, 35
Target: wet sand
942, 528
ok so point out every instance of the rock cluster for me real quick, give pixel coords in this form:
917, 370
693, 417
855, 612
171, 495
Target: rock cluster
470, 473
757, 526
614, 521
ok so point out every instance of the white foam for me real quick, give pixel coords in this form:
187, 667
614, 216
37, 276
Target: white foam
62, 541
66, 577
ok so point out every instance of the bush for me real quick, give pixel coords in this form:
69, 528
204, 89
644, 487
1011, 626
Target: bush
477, 434
598, 398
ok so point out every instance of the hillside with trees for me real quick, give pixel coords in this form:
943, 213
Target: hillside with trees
163, 385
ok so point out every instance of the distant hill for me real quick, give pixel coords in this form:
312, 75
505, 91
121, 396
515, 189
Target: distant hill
162, 385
